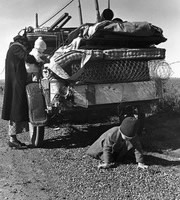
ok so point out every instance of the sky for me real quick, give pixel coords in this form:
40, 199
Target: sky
18, 14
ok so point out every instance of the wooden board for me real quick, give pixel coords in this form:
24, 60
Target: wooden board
115, 93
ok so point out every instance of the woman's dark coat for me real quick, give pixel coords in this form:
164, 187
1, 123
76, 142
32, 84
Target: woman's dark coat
15, 106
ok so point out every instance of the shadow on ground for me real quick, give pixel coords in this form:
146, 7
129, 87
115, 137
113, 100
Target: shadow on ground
162, 135
76, 137
152, 160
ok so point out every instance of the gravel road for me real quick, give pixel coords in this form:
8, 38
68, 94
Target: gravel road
61, 170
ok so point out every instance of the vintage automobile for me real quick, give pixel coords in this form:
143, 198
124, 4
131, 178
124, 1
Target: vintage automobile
97, 67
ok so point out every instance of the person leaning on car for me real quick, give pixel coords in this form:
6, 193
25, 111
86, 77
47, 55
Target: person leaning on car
15, 107
116, 142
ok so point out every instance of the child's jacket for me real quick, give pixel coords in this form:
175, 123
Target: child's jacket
111, 145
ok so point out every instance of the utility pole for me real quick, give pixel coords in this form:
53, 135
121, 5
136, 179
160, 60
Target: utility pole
80, 12
97, 10
109, 4
37, 20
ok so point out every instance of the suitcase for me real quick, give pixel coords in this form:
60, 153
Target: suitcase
36, 104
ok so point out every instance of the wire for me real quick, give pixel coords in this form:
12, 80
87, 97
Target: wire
57, 13
174, 62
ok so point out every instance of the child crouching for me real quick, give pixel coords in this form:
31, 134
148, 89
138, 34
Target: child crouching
116, 142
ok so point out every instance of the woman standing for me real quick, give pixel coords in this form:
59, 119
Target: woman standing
15, 107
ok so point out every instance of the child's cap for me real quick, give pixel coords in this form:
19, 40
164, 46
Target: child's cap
128, 127
40, 44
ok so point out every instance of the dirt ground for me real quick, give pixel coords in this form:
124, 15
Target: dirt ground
34, 173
